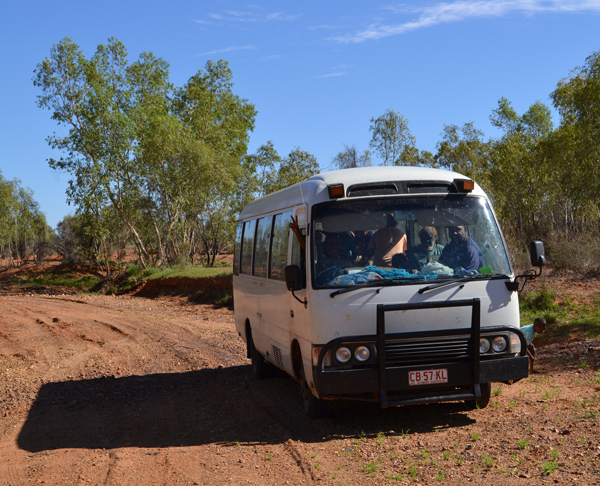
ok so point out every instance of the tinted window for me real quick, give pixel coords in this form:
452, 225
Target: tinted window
279, 248
462, 239
247, 247
261, 251
238, 248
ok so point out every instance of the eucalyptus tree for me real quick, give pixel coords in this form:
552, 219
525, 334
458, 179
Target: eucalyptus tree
351, 157
391, 138
522, 181
138, 147
463, 150
577, 99
296, 167
256, 170
23, 228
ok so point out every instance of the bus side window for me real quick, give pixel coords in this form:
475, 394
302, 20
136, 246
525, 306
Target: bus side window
238, 248
279, 246
247, 247
298, 257
261, 249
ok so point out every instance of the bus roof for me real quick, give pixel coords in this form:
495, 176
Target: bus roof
315, 189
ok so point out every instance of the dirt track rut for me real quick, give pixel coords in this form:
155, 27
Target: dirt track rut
130, 391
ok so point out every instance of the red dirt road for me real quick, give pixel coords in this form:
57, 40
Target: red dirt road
131, 391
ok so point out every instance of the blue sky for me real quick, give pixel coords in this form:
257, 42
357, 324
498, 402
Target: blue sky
317, 72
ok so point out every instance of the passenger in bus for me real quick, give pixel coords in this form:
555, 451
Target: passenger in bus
427, 251
334, 258
362, 239
334, 255
461, 251
387, 242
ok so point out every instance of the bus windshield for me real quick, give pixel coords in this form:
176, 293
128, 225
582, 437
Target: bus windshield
405, 240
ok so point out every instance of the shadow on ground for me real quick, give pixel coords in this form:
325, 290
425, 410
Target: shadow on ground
207, 406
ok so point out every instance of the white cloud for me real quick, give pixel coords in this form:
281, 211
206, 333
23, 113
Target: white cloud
252, 16
228, 49
324, 26
282, 16
237, 13
443, 13
268, 58
331, 75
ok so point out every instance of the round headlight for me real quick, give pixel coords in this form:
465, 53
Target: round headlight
362, 353
499, 344
343, 355
484, 346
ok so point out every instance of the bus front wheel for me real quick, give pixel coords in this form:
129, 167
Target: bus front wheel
486, 393
313, 406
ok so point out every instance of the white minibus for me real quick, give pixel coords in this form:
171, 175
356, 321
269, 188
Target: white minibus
384, 284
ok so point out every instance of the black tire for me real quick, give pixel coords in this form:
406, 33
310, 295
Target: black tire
486, 393
313, 406
260, 368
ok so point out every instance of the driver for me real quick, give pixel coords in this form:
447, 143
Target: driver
461, 250
336, 256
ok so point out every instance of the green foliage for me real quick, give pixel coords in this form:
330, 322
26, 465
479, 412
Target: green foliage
370, 468
296, 167
549, 467
463, 150
190, 272
488, 461
163, 161
350, 158
538, 300
258, 168
85, 282
391, 137
23, 229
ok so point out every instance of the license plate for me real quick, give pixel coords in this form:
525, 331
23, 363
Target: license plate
428, 377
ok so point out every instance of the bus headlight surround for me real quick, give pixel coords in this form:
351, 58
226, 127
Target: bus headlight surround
343, 354
499, 344
484, 345
362, 353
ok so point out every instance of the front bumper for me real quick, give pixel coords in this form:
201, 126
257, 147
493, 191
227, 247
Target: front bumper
388, 383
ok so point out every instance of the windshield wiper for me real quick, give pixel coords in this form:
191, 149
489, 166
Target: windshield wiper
465, 278
375, 283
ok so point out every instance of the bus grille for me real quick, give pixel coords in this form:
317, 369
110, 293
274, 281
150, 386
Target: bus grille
426, 351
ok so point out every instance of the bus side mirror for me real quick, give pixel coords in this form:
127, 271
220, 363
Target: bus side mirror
293, 277
536, 251
538, 259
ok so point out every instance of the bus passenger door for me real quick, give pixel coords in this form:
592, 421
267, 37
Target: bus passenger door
298, 315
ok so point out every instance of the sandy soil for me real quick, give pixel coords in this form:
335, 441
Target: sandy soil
130, 391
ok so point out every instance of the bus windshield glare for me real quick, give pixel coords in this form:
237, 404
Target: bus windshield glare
405, 240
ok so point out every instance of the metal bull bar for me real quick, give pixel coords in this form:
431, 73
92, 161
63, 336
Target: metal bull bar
475, 305
380, 380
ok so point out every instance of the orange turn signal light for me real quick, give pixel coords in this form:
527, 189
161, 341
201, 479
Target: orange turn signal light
464, 185
336, 191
